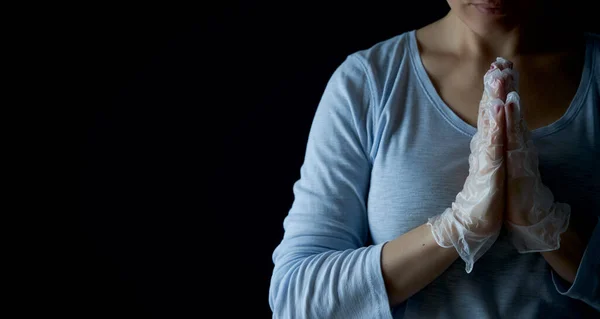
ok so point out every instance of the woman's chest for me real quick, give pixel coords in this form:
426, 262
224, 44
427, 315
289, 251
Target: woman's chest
413, 181
418, 175
546, 92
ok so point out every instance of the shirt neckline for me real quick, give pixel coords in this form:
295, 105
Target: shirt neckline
468, 129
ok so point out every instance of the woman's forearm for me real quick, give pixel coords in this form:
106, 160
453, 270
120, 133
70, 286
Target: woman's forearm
573, 242
565, 260
411, 261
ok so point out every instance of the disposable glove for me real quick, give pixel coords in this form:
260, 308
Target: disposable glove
534, 220
473, 221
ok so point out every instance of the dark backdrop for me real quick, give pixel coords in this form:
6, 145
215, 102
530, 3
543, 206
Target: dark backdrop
195, 122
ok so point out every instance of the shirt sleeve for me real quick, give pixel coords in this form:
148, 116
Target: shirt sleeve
323, 267
586, 286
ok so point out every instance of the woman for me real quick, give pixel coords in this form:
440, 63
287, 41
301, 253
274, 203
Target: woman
422, 197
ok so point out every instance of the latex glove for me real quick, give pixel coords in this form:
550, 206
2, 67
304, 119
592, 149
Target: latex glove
534, 220
473, 222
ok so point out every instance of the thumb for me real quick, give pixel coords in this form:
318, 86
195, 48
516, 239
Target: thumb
496, 130
513, 121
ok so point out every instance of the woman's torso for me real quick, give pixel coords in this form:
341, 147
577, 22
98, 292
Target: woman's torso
420, 163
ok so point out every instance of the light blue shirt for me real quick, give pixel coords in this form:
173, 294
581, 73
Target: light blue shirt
384, 153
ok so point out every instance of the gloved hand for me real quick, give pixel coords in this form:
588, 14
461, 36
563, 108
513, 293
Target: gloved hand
473, 222
533, 219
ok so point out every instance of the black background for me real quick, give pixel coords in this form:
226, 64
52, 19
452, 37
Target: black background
194, 125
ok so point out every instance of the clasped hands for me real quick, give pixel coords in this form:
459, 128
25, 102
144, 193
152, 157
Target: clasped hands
504, 186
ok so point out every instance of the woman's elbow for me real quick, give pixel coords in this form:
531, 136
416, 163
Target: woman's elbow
279, 297
283, 293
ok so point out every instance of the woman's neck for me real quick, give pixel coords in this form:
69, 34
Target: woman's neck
505, 41
510, 40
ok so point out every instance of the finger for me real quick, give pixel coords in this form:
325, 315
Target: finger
500, 79
498, 141
483, 118
513, 122
493, 84
502, 63
496, 130
512, 79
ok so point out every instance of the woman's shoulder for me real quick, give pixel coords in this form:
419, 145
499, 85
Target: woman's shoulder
594, 37
387, 54
593, 53
387, 47
593, 42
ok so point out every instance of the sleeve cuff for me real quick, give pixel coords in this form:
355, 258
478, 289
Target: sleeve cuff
378, 285
586, 286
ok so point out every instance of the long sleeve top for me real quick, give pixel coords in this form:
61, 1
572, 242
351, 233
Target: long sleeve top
384, 154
